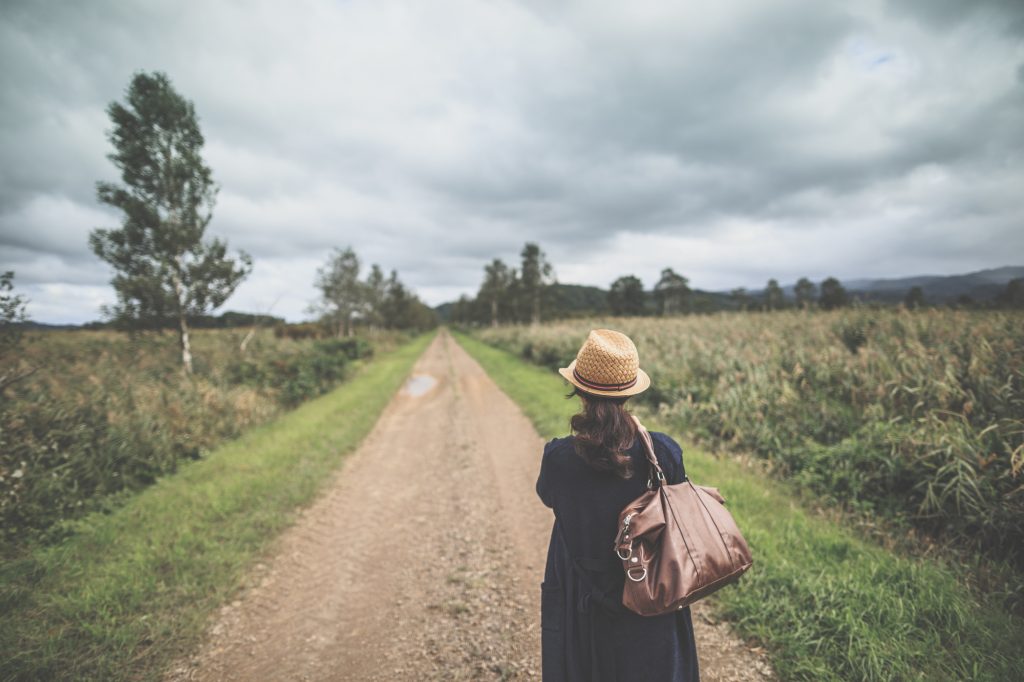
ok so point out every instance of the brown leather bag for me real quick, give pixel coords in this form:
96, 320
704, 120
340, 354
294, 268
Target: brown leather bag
677, 543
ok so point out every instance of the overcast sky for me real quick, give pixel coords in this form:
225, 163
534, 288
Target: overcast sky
731, 141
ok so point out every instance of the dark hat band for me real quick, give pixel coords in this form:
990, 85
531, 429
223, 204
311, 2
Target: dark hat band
604, 387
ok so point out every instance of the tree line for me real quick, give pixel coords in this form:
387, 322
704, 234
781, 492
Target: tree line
505, 296
375, 302
672, 295
509, 294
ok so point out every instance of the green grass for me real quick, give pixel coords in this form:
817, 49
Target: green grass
825, 603
130, 591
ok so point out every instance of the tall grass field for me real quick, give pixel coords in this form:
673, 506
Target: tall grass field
827, 604
909, 419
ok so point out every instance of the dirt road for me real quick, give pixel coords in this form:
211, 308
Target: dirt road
422, 560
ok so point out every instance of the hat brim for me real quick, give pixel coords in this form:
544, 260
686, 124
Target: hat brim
643, 382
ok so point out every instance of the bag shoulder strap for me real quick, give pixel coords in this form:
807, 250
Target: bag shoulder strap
652, 458
657, 476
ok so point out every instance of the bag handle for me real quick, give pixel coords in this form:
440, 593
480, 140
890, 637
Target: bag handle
656, 471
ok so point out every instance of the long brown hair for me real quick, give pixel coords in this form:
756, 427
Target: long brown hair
604, 431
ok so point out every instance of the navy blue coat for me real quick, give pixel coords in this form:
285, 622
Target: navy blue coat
586, 633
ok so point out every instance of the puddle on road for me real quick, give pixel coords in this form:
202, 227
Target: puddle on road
418, 384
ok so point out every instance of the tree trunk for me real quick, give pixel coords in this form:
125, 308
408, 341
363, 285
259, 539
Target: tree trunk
248, 337
494, 312
186, 347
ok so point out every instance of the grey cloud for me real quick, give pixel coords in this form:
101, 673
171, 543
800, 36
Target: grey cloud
434, 139
714, 109
1007, 15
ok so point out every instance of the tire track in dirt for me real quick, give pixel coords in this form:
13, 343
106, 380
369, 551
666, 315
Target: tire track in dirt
423, 558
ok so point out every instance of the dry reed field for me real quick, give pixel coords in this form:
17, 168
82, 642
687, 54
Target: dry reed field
910, 419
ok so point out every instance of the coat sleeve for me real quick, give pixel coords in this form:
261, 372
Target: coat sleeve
670, 456
547, 479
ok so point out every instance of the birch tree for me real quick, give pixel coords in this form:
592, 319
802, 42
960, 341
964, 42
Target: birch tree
774, 297
626, 296
342, 295
495, 288
672, 292
164, 269
804, 292
535, 276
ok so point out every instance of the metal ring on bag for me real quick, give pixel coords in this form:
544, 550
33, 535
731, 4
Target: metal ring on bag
624, 558
630, 575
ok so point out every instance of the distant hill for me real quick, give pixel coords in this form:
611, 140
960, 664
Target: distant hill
982, 285
577, 299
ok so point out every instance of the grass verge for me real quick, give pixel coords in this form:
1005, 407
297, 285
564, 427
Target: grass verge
131, 591
826, 604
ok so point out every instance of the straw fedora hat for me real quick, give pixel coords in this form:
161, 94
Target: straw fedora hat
607, 365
